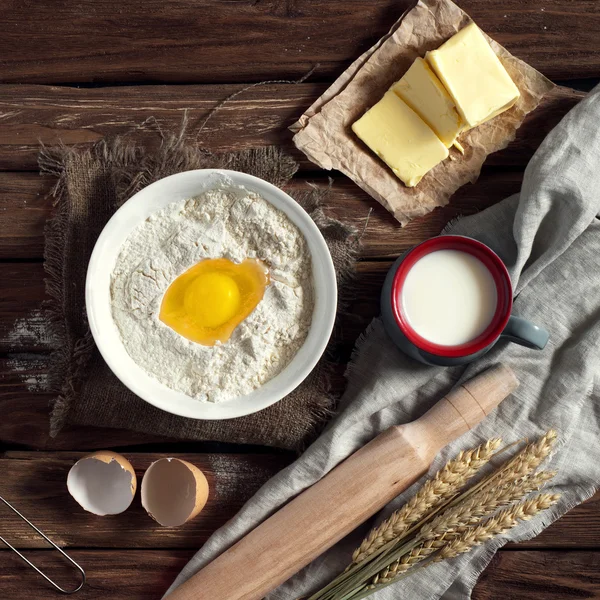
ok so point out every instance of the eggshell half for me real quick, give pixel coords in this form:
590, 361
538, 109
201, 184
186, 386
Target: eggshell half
173, 491
103, 483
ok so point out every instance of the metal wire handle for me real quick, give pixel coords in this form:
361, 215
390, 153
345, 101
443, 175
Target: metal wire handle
52, 583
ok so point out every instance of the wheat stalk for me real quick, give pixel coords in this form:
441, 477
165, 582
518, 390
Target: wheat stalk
530, 458
442, 521
496, 525
468, 538
409, 560
522, 465
485, 502
449, 527
494, 491
446, 482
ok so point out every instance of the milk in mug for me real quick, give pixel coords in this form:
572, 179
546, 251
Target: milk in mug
449, 297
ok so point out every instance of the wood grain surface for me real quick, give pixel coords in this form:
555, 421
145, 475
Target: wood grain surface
253, 40
23, 291
33, 114
39, 478
137, 574
35, 480
25, 205
74, 72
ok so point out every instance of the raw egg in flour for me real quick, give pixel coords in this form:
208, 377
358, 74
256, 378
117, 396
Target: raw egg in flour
207, 302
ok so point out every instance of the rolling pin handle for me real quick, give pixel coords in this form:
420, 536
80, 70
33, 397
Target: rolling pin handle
489, 389
469, 403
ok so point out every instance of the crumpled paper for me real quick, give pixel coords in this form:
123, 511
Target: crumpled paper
323, 132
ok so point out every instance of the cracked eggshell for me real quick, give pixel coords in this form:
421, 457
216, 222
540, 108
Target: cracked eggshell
173, 491
103, 483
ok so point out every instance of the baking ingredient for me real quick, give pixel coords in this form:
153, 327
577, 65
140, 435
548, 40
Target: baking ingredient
449, 297
207, 302
474, 76
400, 138
446, 518
225, 222
102, 483
173, 491
424, 93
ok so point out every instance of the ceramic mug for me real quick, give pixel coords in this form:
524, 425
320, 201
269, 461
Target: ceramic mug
502, 325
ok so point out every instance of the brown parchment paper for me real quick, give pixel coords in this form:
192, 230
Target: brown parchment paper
323, 132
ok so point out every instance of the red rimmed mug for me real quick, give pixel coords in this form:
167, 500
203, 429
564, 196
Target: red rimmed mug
501, 325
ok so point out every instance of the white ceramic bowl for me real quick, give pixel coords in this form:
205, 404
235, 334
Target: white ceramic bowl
97, 296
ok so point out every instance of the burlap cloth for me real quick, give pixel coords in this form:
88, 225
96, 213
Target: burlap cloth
92, 184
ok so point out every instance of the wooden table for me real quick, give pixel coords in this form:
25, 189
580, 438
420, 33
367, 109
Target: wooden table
74, 72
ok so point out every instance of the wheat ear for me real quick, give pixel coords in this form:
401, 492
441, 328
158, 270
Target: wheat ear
505, 483
449, 526
528, 460
483, 503
409, 560
467, 537
496, 525
446, 482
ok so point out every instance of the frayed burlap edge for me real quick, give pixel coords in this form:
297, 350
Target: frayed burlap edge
68, 360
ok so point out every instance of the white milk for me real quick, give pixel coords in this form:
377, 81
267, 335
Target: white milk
449, 297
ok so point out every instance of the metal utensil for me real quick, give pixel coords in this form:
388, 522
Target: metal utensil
23, 558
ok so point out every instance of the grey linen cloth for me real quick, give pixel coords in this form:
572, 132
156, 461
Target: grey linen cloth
549, 237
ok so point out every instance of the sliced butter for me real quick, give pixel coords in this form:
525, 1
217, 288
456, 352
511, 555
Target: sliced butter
400, 138
424, 93
474, 76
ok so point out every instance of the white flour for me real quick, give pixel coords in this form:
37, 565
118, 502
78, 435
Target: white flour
224, 222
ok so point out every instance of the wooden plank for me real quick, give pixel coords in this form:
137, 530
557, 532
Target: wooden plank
147, 574
25, 206
25, 407
24, 328
219, 41
32, 476
36, 483
111, 574
32, 114
530, 575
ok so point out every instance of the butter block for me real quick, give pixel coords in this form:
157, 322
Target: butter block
474, 76
421, 89
400, 138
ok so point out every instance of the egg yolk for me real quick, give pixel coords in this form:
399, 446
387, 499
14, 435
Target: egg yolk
207, 302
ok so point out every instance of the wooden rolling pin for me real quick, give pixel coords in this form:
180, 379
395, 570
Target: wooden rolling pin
351, 493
